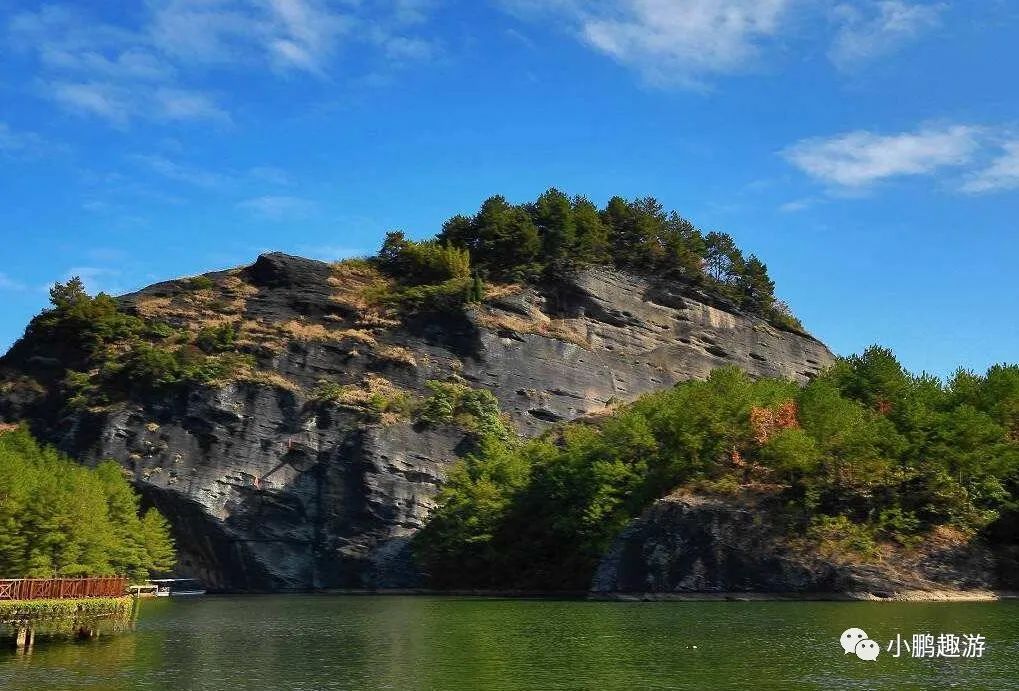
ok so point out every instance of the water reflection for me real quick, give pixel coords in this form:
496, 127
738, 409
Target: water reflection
326, 642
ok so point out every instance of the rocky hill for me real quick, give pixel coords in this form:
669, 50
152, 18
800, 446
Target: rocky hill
285, 451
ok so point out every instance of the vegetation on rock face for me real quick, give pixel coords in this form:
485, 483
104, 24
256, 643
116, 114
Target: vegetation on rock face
454, 402
430, 274
198, 333
555, 231
109, 354
377, 398
58, 518
518, 243
865, 454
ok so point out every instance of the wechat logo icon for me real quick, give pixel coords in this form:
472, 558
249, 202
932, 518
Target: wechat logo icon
856, 641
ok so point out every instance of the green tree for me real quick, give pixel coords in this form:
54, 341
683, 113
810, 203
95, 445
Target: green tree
592, 233
553, 217
62, 519
723, 259
756, 289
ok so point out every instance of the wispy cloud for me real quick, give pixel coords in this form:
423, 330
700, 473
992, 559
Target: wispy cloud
184, 104
796, 205
97, 279
875, 29
286, 34
689, 43
1001, 174
9, 284
972, 159
23, 144
858, 159
272, 175
179, 172
152, 69
278, 208
671, 42
226, 180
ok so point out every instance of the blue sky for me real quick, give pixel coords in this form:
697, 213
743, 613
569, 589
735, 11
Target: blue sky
867, 150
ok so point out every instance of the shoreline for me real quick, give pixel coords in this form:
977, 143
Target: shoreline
897, 596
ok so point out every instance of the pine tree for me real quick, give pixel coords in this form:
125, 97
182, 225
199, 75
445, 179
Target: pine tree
477, 289
756, 288
592, 233
553, 217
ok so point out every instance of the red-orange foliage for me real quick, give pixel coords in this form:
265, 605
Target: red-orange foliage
765, 422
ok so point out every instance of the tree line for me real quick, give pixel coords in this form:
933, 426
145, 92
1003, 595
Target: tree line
865, 455
59, 518
523, 242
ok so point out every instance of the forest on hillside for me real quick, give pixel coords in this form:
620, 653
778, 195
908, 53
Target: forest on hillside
59, 518
865, 456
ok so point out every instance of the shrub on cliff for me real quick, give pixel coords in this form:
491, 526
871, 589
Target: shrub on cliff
454, 402
865, 451
58, 518
109, 354
429, 275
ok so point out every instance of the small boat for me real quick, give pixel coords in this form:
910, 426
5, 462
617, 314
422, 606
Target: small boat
177, 587
146, 590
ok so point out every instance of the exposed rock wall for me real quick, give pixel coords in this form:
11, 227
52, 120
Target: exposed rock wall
267, 488
694, 544
629, 336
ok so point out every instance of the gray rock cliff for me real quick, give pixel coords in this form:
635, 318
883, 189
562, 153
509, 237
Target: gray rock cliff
700, 544
268, 488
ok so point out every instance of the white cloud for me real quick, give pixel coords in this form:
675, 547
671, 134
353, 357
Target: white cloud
149, 70
670, 42
684, 40
278, 208
881, 29
858, 159
288, 34
687, 42
1001, 174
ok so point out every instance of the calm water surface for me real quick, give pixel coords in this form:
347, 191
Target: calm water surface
312, 642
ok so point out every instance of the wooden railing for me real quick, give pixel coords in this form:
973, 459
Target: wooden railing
60, 588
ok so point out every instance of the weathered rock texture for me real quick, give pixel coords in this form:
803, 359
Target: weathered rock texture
268, 488
695, 544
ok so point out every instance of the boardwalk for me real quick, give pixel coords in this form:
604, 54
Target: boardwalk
61, 588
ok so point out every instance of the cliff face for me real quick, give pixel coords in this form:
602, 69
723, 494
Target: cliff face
697, 544
269, 487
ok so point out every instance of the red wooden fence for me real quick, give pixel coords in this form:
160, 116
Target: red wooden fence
58, 588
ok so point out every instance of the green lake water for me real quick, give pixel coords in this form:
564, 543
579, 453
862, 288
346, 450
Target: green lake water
313, 642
